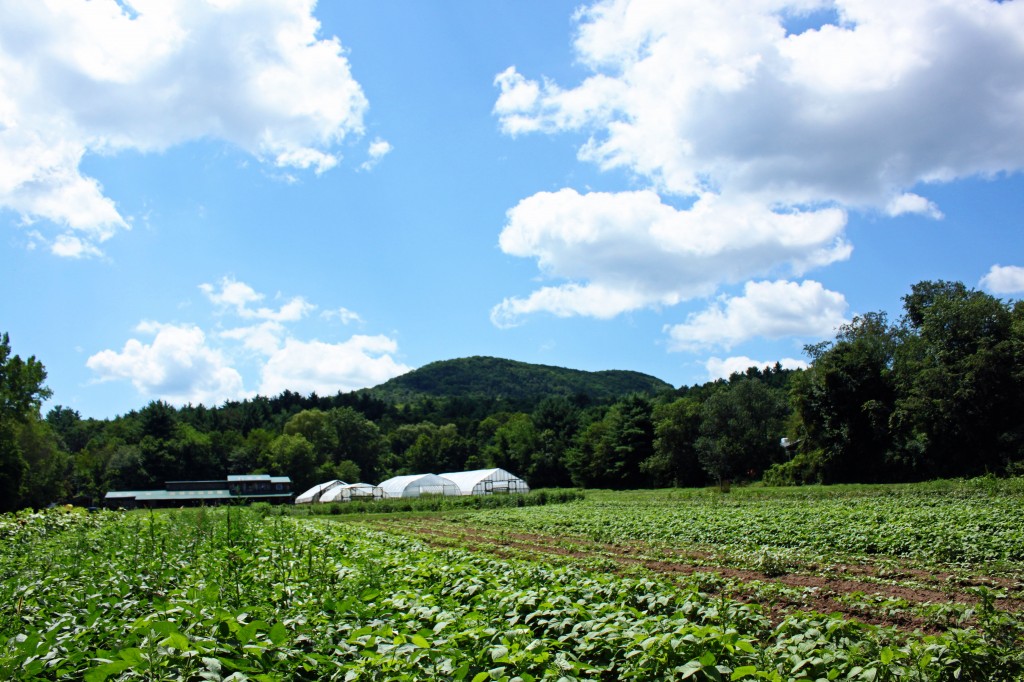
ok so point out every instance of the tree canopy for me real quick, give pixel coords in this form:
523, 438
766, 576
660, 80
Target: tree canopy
937, 393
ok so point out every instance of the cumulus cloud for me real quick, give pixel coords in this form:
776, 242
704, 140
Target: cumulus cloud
1004, 279
766, 309
719, 103
239, 296
378, 150
909, 202
70, 246
628, 250
343, 315
178, 366
183, 364
264, 338
331, 367
718, 96
723, 368
99, 77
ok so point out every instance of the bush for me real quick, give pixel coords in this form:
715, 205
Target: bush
437, 503
806, 468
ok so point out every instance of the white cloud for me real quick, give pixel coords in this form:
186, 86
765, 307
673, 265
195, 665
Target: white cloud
232, 294
913, 203
80, 78
714, 95
177, 366
327, 368
264, 338
185, 364
378, 150
70, 246
772, 135
719, 368
629, 250
343, 315
305, 158
766, 309
239, 295
1004, 279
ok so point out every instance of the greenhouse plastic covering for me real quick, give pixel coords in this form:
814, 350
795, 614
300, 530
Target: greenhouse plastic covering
315, 493
487, 481
418, 484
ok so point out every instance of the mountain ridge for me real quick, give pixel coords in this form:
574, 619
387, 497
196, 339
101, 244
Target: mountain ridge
503, 379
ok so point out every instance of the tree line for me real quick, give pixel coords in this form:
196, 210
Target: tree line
938, 393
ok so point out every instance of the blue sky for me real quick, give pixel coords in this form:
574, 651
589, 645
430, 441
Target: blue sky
202, 201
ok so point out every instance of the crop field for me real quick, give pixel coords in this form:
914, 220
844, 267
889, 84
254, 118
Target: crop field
917, 583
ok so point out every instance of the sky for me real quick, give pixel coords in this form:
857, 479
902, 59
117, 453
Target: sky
208, 200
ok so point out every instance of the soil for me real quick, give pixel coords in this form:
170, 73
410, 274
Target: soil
886, 592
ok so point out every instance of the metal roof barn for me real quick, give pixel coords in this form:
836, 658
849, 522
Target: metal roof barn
234, 488
417, 485
315, 493
487, 482
352, 491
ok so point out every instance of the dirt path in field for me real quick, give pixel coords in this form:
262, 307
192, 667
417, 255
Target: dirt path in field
893, 594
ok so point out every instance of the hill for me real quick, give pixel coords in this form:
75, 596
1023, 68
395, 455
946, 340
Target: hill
496, 378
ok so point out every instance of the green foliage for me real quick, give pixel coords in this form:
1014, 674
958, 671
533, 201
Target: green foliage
21, 393
609, 452
236, 594
959, 379
478, 377
435, 448
442, 503
741, 426
676, 429
945, 522
845, 401
21, 383
937, 395
296, 455
806, 466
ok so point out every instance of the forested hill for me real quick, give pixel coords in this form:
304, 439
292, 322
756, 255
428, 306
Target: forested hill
496, 378
937, 394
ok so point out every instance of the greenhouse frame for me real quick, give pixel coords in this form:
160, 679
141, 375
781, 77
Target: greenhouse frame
352, 491
417, 485
316, 492
487, 482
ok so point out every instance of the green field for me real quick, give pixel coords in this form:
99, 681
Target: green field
871, 583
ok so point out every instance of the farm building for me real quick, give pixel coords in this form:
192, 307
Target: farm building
417, 485
234, 489
315, 493
352, 491
487, 482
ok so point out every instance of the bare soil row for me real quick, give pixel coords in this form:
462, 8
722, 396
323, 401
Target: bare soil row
886, 592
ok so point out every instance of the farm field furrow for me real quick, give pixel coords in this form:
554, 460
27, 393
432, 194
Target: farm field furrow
884, 593
235, 594
821, 549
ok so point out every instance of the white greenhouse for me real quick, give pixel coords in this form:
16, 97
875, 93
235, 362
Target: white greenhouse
352, 491
487, 482
315, 493
417, 485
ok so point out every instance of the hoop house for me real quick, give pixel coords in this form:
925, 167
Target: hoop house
417, 485
487, 482
315, 493
352, 491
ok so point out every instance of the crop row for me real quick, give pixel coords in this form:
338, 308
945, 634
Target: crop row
228, 595
935, 528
